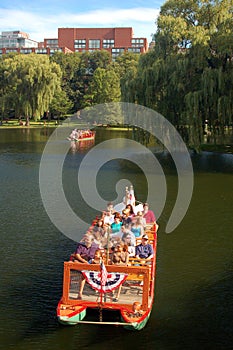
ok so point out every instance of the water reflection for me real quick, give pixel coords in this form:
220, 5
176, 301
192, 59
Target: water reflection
81, 146
193, 300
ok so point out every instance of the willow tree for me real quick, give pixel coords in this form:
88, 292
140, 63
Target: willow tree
34, 80
187, 76
126, 66
202, 30
5, 89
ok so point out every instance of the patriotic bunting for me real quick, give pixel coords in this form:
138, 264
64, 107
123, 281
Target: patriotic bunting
102, 281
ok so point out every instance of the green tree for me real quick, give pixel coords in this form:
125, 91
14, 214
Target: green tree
187, 76
69, 64
89, 62
105, 87
60, 104
34, 81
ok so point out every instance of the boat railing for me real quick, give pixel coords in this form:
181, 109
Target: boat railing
138, 281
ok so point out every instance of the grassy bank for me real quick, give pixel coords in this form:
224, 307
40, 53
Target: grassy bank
15, 124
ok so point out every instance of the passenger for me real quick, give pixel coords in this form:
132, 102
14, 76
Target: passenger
136, 310
131, 248
97, 257
110, 208
129, 209
116, 225
126, 218
140, 214
137, 227
108, 217
98, 227
120, 256
101, 237
128, 239
106, 256
148, 214
85, 251
144, 250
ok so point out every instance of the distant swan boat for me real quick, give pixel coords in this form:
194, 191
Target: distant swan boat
81, 135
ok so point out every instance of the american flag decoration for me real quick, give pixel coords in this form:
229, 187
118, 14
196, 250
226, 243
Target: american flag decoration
104, 274
103, 281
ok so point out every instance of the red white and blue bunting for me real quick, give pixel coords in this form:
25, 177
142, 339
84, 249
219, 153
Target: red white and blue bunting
104, 285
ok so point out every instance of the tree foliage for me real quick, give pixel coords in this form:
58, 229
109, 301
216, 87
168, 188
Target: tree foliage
32, 82
187, 76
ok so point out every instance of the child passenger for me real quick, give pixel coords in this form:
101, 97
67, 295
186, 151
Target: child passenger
97, 257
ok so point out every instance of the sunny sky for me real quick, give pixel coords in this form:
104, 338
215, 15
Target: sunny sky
41, 19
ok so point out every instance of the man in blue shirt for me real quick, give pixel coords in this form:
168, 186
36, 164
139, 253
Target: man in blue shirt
144, 250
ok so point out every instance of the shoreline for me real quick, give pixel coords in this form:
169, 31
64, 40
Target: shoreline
223, 148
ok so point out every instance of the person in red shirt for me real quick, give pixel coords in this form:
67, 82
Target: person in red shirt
148, 214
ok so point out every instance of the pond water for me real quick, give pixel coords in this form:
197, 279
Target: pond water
193, 298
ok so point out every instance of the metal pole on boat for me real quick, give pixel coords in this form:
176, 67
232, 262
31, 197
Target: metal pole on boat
108, 237
107, 257
101, 283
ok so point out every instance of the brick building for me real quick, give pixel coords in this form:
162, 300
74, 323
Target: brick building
115, 40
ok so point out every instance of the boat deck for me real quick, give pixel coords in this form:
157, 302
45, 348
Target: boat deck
131, 291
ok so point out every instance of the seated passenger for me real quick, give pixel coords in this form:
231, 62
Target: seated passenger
85, 249
110, 208
116, 225
129, 209
137, 227
143, 220
126, 218
148, 214
101, 237
144, 250
127, 236
136, 309
120, 255
128, 239
98, 227
108, 217
97, 257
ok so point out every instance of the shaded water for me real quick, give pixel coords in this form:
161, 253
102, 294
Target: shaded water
193, 300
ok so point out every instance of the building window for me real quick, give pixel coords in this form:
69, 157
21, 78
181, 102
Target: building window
137, 42
134, 49
52, 43
41, 51
94, 44
80, 44
108, 43
11, 50
52, 51
26, 51
118, 50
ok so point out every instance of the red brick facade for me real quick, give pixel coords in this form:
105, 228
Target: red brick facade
121, 38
